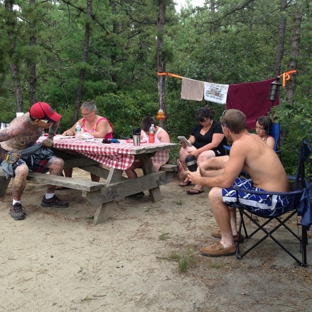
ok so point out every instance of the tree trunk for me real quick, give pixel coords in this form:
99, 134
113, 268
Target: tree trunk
161, 63
84, 60
281, 38
11, 22
32, 65
294, 51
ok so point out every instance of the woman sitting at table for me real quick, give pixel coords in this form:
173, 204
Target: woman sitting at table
161, 136
207, 139
94, 124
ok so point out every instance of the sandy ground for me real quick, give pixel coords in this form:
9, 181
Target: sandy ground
56, 260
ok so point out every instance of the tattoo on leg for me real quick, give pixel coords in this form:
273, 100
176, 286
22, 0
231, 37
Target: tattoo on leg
55, 165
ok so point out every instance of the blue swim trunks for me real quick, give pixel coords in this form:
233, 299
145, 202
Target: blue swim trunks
265, 205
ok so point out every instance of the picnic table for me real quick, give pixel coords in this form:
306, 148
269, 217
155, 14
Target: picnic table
108, 161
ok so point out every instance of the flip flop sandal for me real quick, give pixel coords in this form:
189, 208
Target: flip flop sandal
184, 183
194, 191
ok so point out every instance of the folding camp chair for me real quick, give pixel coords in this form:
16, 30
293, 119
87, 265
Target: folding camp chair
291, 208
276, 133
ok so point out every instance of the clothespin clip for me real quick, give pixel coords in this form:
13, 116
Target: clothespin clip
286, 76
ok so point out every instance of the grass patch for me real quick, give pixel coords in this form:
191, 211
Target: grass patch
185, 260
163, 237
179, 202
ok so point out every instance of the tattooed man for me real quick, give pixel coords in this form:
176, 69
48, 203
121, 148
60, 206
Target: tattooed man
19, 153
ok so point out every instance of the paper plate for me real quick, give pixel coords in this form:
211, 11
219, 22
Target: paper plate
131, 141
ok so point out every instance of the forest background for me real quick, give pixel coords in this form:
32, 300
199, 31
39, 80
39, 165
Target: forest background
65, 52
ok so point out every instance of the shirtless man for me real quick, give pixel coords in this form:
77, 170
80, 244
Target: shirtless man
21, 134
250, 153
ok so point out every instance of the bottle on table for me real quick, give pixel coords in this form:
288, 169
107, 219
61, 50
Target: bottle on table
77, 130
151, 134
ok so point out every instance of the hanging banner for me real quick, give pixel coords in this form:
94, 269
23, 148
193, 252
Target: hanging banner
215, 93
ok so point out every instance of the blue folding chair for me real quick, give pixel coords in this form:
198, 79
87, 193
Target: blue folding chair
292, 208
276, 134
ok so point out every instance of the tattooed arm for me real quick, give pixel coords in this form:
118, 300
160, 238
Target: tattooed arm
48, 142
53, 128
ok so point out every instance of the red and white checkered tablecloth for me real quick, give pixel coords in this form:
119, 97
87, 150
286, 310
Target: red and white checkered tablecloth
114, 155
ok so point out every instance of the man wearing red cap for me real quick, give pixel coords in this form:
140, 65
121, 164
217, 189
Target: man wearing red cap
19, 153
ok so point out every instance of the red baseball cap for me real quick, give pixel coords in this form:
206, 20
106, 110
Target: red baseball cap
42, 110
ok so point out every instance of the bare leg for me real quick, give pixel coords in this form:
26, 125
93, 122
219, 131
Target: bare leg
183, 153
214, 173
213, 166
233, 221
131, 174
201, 159
19, 182
215, 162
222, 215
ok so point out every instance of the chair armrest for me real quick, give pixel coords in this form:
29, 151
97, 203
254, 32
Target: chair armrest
292, 193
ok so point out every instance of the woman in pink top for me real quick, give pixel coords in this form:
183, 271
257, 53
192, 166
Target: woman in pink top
96, 125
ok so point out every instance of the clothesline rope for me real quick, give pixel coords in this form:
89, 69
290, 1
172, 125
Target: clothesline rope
285, 76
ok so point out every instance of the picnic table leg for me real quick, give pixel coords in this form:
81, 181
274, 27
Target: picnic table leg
147, 166
103, 211
4, 182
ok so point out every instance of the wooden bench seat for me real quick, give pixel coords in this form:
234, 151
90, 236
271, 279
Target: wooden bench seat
169, 167
77, 184
72, 183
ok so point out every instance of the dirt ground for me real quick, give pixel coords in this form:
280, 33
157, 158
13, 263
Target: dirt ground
56, 260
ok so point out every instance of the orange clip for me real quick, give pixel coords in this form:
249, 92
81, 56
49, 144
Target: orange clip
286, 76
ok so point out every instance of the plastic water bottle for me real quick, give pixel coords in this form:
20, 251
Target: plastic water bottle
77, 130
151, 134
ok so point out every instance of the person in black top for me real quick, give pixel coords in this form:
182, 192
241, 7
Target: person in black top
207, 141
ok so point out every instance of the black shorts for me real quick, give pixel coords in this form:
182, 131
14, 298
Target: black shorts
36, 162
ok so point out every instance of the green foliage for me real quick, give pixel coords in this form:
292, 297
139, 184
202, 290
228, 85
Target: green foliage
296, 124
231, 43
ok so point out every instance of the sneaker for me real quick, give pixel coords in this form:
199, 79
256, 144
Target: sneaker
16, 211
53, 202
